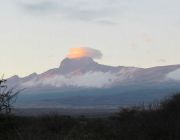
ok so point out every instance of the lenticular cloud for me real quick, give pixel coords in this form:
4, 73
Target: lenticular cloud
80, 52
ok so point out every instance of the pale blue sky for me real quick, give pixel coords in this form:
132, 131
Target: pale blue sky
35, 35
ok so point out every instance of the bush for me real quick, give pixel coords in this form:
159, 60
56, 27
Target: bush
136, 123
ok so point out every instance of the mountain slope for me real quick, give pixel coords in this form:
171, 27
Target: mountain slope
83, 82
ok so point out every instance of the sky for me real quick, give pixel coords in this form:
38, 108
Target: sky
36, 35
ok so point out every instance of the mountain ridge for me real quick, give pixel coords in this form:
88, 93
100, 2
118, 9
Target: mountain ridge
84, 82
86, 65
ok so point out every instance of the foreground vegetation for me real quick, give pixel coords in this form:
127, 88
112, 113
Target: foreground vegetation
157, 122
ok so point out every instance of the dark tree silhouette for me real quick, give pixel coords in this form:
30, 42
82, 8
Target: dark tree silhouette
7, 97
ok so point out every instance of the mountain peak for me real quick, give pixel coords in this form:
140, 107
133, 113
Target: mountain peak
86, 59
77, 61
70, 65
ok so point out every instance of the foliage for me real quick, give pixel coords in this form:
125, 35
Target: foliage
7, 97
136, 123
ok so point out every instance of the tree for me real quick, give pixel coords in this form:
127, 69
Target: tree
7, 97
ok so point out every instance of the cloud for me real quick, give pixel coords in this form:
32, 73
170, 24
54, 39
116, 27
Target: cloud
85, 10
174, 75
88, 80
42, 6
162, 60
84, 52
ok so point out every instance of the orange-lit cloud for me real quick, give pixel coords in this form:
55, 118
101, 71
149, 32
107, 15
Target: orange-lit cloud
80, 52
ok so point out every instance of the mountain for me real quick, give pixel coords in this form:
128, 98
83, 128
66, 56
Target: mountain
82, 82
84, 65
